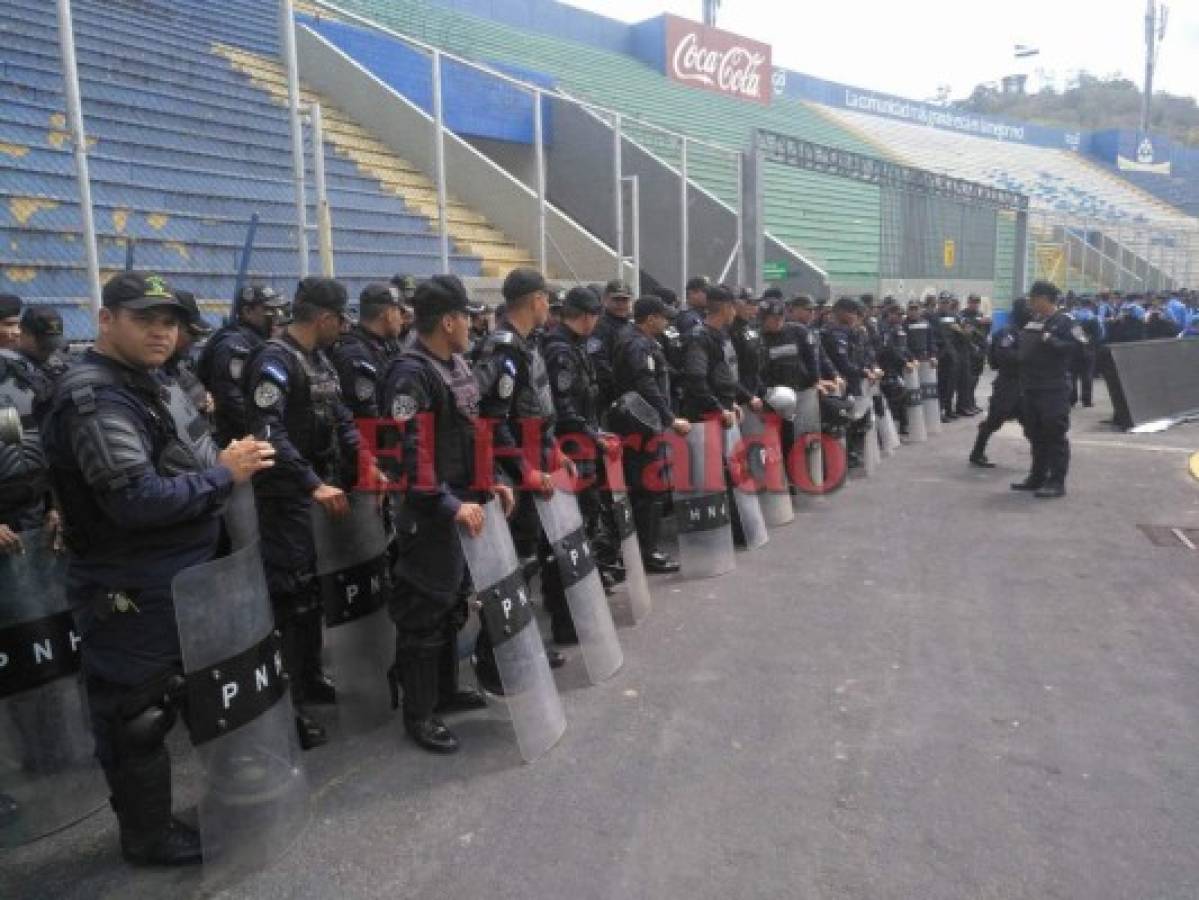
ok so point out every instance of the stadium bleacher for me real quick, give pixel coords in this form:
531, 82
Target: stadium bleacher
187, 139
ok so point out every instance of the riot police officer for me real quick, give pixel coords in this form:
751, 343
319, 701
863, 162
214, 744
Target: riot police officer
845, 343
1004, 357
613, 324
221, 366
10, 321
895, 359
575, 389
293, 401
640, 367
362, 354
711, 384
26, 384
431, 393
696, 295
747, 341
138, 506
182, 365
948, 340
515, 396
1047, 346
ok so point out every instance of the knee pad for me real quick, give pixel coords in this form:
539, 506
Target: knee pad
145, 731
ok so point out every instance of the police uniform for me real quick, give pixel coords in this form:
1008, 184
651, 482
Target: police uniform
1045, 350
25, 387
515, 394
747, 342
293, 401
575, 388
1003, 354
640, 366
362, 356
435, 401
947, 341
894, 356
222, 362
710, 374
788, 360
139, 506
608, 331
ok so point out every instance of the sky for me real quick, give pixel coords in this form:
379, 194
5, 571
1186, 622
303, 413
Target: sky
911, 47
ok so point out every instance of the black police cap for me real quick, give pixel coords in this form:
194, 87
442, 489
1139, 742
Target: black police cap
773, 307
651, 305
327, 293
10, 306
521, 283
260, 293
406, 283
138, 290
719, 293
1044, 289
617, 288
697, 283
195, 322
669, 297
379, 294
582, 299
772, 293
441, 295
43, 323
801, 301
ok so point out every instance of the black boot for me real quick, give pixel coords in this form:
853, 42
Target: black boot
312, 733
141, 798
315, 686
1051, 490
419, 671
978, 455
647, 516
450, 697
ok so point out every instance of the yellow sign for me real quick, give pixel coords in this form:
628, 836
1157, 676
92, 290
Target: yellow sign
951, 254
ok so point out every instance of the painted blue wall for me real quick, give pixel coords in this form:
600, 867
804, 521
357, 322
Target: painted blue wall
475, 104
552, 18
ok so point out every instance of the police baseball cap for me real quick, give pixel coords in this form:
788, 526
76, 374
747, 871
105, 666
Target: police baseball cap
582, 299
718, 293
669, 297
379, 294
617, 288
651, 306
521, 283
260, 293
138, 290
443, 294
772, 293
773, 307
327, 293
10, 306
801, 301
405, 283
697, 283
195, 322
45, 324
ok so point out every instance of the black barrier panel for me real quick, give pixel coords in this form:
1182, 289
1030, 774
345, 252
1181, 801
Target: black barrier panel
505, 608
1150, 380
622, 512
236, 691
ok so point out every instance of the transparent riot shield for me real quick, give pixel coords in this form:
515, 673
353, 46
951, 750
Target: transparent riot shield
48, 776
529, 689
807, 435
863, 408
635, 582
563, 526
351, 565
917, 434
767, 467
930, 398
701, 505
749, 510
255, 794
888, 433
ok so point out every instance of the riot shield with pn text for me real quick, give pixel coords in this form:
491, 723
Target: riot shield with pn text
930, 398
917, 433
749, 510
563, 526
807, 435
764, 456
351, 565
239, 712
635, 583
530, 692
701, 506
49, 778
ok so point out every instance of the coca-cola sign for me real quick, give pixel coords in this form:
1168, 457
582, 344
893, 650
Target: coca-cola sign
717, 61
